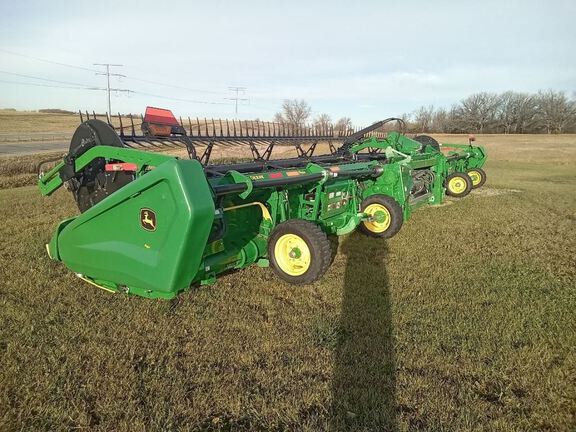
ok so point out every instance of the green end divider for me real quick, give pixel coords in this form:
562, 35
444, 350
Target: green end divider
147, 237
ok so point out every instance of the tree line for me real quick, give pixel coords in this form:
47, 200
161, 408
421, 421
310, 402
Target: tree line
508, 112
298, 113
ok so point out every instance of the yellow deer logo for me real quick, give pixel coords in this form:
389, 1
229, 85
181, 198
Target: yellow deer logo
148, 219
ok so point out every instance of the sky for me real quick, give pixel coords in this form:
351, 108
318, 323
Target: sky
367, 60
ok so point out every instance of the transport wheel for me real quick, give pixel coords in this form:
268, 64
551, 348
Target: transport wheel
458, 184
427, 140
386, 216
299, 251
478, 177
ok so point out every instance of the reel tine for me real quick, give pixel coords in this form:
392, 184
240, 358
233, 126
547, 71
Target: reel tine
132, 123
128, 143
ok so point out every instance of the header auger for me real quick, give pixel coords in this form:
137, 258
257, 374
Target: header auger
153, 224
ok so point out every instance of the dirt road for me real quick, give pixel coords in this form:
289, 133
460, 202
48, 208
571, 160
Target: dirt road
31, 147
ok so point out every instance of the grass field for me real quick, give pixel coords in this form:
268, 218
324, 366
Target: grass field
29, 122
464, 321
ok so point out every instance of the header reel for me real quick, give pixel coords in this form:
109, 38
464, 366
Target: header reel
161, 131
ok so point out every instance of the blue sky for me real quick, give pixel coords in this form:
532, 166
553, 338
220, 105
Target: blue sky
363, 59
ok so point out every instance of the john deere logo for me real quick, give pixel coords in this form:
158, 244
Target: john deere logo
148, 219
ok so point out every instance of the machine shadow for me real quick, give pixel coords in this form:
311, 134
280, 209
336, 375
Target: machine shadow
364, 382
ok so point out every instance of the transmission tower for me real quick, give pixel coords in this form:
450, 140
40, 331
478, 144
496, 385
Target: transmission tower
108, 75
237, 98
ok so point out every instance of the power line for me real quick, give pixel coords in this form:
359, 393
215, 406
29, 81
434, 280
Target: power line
112, 90
42, 79
123, 76
49, 85
237, 90
236, 99
178, 99
87, 87
171, 85
48, 61
97, 71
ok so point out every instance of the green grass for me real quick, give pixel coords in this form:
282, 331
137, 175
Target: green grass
463, 321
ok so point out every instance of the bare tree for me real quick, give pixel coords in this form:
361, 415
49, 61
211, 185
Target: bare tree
441, 121
527, 114
476, 112
323, 122
423, 118
294, 112
555, 111
407, 119
515, 111
454, 120
344, 124
506, 115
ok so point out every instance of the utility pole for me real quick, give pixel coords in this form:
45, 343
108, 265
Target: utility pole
108, 75
237, 90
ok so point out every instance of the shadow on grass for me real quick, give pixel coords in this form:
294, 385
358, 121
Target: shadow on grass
364, 383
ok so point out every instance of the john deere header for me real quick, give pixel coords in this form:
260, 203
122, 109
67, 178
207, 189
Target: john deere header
154, 225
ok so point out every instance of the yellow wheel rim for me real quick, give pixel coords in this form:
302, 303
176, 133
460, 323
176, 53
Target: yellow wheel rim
476, 177
457, 185
292, 254
380, 218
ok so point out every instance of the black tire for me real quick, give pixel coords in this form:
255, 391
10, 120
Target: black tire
394, 211
318, 246
458, 184
481, 174
427, 140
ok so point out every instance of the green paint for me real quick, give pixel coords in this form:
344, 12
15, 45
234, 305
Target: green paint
198, 235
